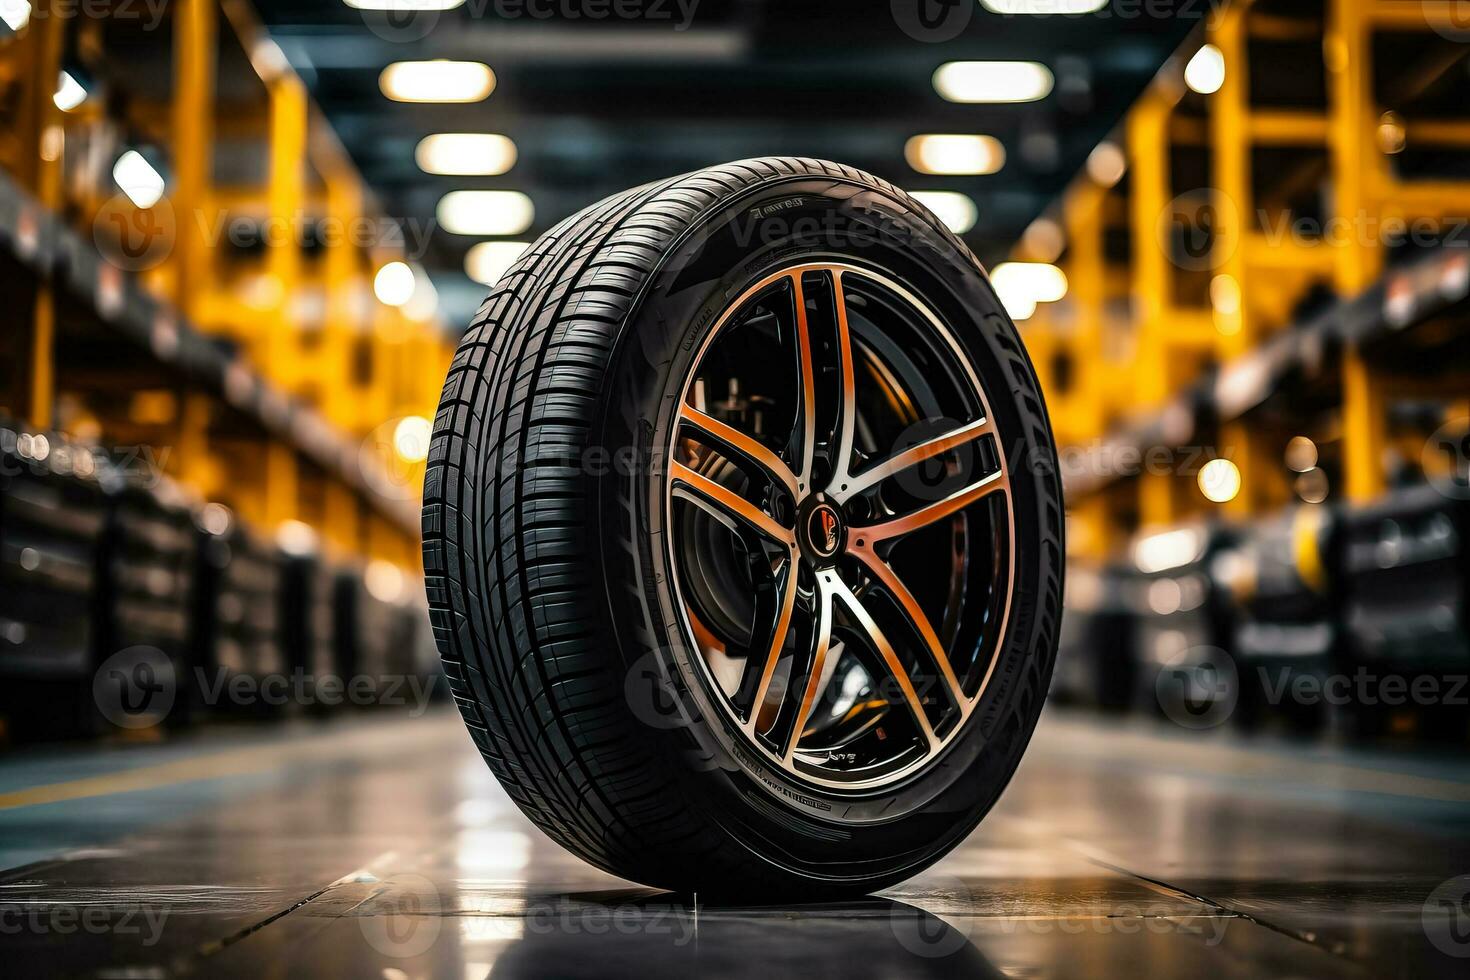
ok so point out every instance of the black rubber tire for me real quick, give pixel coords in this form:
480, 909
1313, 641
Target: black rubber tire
542, 572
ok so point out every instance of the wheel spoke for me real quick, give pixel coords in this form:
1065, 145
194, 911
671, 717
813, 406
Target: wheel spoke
733, 440
725, 504
762, 679
821, 640
913, 456
885, 650
897, 527
808, 400
844, 424
846, 396
916, 617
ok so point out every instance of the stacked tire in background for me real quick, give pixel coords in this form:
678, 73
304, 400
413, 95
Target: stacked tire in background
102, 563
147, 575
1326, 619
238, 620
1405, 597
1285, 632
53, 522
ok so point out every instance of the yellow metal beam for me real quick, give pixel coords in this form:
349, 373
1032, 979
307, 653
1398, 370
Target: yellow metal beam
1276, 127
1147, 132
1082, 217
1229, 113
288, 114
43, 143
1355, 156
1437, 132
1444, 16
1148, 157
1364, 431
192, 462
345, 290
192, 122
1353, 149
281, 484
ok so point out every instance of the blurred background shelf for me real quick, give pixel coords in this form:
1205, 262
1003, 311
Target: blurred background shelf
1259, 372
239, 242
235, 248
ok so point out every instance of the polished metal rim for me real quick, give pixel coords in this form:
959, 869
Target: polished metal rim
812, 533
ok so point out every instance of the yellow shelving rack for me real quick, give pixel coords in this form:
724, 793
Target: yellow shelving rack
297, 423
1187, 251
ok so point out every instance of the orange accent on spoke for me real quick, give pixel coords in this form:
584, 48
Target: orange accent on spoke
819, 661
897, 527
808, 386
741, 443
915, 614
778, 642
847, 396
913, 456
895, 666
731, 503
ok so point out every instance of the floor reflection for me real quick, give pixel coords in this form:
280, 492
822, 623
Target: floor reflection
582, 936
389, 853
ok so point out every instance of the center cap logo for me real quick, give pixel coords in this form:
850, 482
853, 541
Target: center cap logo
824, 530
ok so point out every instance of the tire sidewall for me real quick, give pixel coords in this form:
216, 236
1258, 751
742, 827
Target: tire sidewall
882, 833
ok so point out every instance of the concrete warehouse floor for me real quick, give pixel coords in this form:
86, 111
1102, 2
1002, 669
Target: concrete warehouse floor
384, 848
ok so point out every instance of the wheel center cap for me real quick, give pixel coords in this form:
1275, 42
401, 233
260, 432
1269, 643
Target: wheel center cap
823, 531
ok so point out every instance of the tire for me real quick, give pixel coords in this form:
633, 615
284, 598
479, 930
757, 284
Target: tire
572, 544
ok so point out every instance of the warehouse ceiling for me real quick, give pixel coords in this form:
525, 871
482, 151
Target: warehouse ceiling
598, 104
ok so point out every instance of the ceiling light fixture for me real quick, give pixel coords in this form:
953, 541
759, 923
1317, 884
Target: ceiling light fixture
485, 212
1042, 8
465, 154
1219, 480
69, 93
437, 81
1106, 164
1022, 285
954, 153
15, 13
956, 210
1205, 72
993, 81
488, 261
136, 178
394, 284
411, 6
